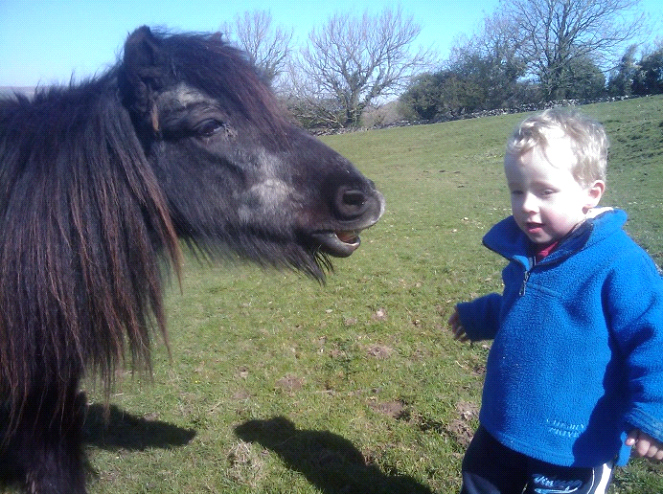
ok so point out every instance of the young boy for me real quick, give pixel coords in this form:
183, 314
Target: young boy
574, 378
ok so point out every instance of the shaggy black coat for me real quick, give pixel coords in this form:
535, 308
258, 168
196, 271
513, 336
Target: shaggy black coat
98, 182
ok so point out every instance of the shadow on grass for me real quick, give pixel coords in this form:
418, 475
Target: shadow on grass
329, 461
110, 430
115, 429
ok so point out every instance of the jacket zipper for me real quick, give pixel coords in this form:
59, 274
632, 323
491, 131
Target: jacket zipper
528, 271
524, 285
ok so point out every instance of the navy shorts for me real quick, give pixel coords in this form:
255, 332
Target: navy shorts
491, 468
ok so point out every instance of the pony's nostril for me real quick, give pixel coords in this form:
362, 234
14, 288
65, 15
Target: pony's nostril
354, 198
350, 202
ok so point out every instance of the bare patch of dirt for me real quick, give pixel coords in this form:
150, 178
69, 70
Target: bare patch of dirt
244, 465
462, 428
396, 409
241, 395
243, 372
380, 315
380, 351
290, 383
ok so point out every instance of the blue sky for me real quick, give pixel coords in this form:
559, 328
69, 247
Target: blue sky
46, 41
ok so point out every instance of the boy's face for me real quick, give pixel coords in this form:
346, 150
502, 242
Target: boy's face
546, 200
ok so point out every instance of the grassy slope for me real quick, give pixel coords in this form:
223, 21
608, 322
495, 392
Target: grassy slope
279, 385
288, 385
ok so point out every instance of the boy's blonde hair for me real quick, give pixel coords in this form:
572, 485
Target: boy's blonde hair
589, 142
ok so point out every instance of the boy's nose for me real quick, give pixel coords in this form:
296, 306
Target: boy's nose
529, 203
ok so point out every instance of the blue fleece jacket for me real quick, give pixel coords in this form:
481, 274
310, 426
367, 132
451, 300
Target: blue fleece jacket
577, 359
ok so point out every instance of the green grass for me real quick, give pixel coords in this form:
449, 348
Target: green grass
276, 384
279, 385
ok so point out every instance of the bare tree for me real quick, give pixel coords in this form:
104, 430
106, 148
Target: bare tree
491, 61
554, 33
349, 62
267, 46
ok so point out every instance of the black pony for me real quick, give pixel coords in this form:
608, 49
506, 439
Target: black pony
98, 181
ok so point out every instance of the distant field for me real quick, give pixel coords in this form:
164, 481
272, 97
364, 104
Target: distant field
279, 385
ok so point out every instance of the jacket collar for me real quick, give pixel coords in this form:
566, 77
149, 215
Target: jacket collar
506, 239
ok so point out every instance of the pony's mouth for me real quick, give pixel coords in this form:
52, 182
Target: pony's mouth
342, 243
338, 244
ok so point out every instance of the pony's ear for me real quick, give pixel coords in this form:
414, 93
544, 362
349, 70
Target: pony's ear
143, 74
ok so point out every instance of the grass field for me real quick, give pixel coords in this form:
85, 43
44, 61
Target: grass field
276, 384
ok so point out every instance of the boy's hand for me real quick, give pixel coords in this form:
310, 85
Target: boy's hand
645, 445
457, 327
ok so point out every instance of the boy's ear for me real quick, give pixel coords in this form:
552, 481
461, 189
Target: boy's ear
595, 193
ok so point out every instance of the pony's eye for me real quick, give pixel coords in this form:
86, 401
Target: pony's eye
209, 127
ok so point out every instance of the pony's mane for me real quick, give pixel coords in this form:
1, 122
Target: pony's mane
211, 64
83, 224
